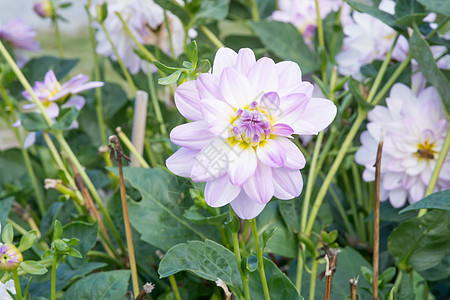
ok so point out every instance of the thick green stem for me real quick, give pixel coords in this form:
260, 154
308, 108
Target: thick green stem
173, 284
259, 254
123, 137
237, 253
155, 102
312, 285
55, 261
300, 262
211, 36
254, 10
17, 285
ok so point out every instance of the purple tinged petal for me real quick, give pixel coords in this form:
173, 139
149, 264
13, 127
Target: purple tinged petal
292, 108
318, 115
52, 110
30, 139
294, 157
271, 153
242, 163
220, 128
246, 208
282, 130
225, 57
288, 183
76, 101
220, 191
50, 79
260, 187
193, 135
87, 86
212, 162
263, 77
289, 74
245, 60
187, 101
270, 103
29, 106
213, 109
181, 162
236, 88
208, 86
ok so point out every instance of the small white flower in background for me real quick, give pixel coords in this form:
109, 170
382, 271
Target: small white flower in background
9, 285
145, 19
303, 14
416, 127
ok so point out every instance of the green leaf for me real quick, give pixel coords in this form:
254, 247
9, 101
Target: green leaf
66, 117
438, 200
421, 243
267, 234
171, 79
75, 253
252, 263
192, 53
7, 234
57, 230
422, 54
203, 66
36, 68
33, 267
290, 211
86, 232
234, 224
61, 246
212, 10
387, 275
33, 121
208, 260
165, 69
373, 11
102, 12
103, 285
5, 207
158, 217
439, 6
27, 240
196, 217
284, 40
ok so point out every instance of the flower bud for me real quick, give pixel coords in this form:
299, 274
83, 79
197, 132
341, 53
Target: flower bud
44, 8
10, 257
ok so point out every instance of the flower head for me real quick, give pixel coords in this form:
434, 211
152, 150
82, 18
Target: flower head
416, 127
243, 114
20, 37
43, 8
10, 257
146, 21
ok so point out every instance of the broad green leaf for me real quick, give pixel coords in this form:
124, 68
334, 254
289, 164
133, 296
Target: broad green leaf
373, 11
7, 234
159, 216
290, 211
422, 54
86, 232
27, 240
5, 207
33, 267
439, 271
421, 243
48, 219
197, 217
212, 10
103, 285
36, 68
438, 200
407, 7
439, 6
33, 121
208, 260
284, 40
280, 286
65, 119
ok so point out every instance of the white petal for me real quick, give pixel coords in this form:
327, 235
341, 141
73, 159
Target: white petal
235, 88
212, 162
245, 207
245, 60
242, 163
208, 86
318, 115
294, 157
263, 77
289, 74
187, 101
213, 109
193, 135
288, 183
225, 57
180, 163
260, 186
271, 153
397, 197
220, 192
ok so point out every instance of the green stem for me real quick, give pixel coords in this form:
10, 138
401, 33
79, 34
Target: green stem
151, 156
55, 261
58, 36
155, 102
211, 36
17, 285
321, 39
16, 226
237, 253
254, 10
312, 285
360, 201
259, 254
351, 200
105, 257
169, 35
300, 262
123, 137
437, 168
119, 60
173, 284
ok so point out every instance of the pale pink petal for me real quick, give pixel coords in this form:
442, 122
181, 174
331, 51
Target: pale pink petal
235, 88
392, 181
245, 60
263, 77
213, 109
271, 153
292, 108
187, 101
208, 86
220, 192
241, 164
87, 86
181, 162
29, 140
259, 187
288, 183
245, 207
397, 197
399, 92
417, 192
289, 74
318, 115
50, 79
294, 157
52, 110
225, 57
212, 162
193, 135
282, 130
76, 101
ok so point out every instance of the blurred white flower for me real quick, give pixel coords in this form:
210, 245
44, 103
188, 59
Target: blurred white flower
9, 285
145, 19
416, 128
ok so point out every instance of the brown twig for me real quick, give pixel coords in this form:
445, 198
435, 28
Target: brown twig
353, 284
331, 259
376, 220
116, 152
146, 289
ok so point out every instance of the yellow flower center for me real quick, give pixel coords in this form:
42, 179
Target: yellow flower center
426, 150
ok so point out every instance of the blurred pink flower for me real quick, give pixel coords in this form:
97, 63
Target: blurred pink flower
415, 126
303, 14
243, 114
145, 19
20, 37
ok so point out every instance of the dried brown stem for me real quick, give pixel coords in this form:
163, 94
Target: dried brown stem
116, 152
331, 258
376, 222
353, 284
